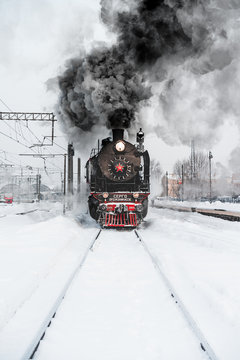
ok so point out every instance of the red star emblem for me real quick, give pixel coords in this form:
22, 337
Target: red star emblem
119, 167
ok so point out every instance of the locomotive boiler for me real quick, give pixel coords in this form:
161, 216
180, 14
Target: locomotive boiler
118, 177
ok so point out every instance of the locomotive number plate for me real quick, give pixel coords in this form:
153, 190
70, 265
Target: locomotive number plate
120, 197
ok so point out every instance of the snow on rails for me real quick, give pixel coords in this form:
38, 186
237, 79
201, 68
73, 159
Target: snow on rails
118, 296
21, 336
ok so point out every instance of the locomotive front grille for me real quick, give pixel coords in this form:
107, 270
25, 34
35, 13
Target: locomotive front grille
120, 220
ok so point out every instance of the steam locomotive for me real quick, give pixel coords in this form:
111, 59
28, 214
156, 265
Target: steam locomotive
118, 177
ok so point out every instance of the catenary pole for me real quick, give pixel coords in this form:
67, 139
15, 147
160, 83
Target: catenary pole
210, 156
182, 183
79, 176
166, 184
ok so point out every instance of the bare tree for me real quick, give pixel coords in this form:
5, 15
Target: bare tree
195, 182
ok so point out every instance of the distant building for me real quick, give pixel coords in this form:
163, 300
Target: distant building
236, 179
171, 185
174, 184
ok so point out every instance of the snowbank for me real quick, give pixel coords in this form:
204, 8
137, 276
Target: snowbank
197, 204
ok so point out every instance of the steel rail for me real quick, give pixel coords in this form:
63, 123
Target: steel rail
33, 349
205, 346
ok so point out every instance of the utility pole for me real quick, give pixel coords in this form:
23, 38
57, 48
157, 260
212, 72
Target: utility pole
64, 182
193, 169
182, 183
38, 186
64, 173
210, 156
167, 184
70, 168
193, 161
79, 176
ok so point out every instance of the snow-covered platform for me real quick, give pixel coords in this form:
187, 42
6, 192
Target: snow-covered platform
229, 212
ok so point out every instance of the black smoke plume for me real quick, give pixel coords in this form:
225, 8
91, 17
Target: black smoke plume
104, 87
109, 85
150, 32
179, 57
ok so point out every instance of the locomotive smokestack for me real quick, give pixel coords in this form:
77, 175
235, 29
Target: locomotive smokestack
117, 134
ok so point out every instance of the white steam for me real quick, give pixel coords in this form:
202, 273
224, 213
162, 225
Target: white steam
201, 93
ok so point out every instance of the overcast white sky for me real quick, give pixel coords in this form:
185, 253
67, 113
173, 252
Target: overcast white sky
36, 38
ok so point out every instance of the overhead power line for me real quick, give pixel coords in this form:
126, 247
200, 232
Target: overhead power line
5, 104
28, 116
17, 141
20, 134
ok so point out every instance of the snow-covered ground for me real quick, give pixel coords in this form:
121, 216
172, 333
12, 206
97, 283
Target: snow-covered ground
27, 250
38, 252
118, 307
197, 204
201, 256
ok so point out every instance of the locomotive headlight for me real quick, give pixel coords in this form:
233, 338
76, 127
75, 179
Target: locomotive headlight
120, 146
136, 195
105, 195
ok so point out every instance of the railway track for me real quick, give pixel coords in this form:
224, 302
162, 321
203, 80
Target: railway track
62, 295
131, 239
204, 345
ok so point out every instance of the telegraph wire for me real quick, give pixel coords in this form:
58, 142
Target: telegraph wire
21, 135
17, 141
59, 146
5, 105
19, 125
16, 132
26, 127
4, 159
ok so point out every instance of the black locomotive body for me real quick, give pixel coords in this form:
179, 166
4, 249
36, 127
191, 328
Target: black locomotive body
118, 176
